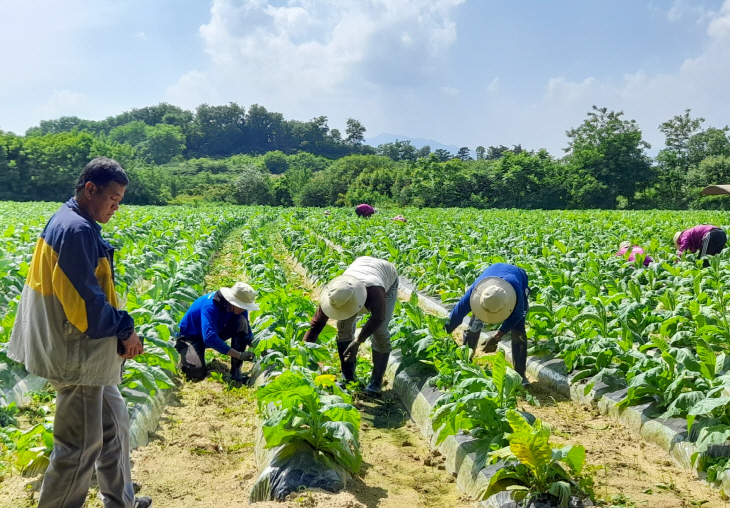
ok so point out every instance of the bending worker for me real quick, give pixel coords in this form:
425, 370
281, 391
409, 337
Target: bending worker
371, 284
499, 295
705, 238
209, 322
365, 210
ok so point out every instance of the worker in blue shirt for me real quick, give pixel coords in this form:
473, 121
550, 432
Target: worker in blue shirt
209, 322
499, 295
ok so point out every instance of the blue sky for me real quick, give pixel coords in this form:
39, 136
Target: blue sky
463, 72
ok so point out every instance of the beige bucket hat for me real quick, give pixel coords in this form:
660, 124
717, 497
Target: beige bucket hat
676, 238
343, 297
241, 295
492, 300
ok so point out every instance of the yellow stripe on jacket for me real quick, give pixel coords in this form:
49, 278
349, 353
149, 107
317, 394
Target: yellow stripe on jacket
47, 278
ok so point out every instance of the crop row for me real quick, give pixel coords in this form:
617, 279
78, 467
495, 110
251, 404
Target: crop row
161, 261
660, 332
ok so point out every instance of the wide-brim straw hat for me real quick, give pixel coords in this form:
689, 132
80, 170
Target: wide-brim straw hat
492, 300
241, 295
676, 238
343, 297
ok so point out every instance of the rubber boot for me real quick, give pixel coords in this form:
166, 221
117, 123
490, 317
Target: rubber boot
519, 357
236, 370
380, 363
348, 369
471, 335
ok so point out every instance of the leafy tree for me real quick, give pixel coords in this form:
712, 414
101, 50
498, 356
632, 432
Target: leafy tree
355, 132
163, 143
53, 162
481, 152
442, 155
607, 159
219, 130
320, 191
526, 180
495, 152
252, 187
424, 151
276, 162
397, 150
132, 133
463, 154
674, 161
264, 128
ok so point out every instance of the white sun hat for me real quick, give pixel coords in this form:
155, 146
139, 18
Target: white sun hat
492, 300
343, 297
241, 295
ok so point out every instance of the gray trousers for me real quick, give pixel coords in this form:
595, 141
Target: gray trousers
381, 338
91, 429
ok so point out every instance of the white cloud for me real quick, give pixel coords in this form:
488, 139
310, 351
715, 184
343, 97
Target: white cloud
63, 102
139, 36
699, 83
449, 91
306, 53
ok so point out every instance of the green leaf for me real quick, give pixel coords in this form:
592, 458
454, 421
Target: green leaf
518, 422
706, 406
532, 449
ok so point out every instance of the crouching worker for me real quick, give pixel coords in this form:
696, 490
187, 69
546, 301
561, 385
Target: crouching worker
368, 284
624, 247
209, 322
499, 295
705, 238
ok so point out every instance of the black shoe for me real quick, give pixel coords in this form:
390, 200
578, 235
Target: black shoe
380, 364
142, 502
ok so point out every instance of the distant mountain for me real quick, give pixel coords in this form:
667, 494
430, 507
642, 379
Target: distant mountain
417, 142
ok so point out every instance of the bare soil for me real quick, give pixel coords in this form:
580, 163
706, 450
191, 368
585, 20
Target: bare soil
628, 471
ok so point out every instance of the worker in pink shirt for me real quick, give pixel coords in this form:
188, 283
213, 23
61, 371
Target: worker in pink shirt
706, 239
635, 249
365, 210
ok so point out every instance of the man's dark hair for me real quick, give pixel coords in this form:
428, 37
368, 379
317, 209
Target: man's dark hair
101, 172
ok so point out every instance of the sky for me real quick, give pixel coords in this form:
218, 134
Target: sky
462, 72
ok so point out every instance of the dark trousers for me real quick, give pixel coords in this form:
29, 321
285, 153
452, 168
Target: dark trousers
192, 355
713, 242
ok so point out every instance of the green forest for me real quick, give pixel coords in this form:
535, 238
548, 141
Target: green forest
253, 156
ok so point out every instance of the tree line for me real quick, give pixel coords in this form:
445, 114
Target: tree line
228, 154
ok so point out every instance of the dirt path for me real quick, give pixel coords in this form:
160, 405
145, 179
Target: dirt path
202, 454
629, 472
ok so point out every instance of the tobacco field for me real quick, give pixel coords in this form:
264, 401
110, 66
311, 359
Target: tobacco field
658, 334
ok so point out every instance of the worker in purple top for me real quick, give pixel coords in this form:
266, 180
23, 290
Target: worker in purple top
705, 238
365, 210
635, 249
499, 295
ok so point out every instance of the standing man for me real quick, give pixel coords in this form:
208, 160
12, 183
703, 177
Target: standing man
499, 295
368, 283
364, 210
69, 329
705, 238
209, 322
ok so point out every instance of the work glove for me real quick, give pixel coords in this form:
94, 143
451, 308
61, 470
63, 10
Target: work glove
350, 354
248, 356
